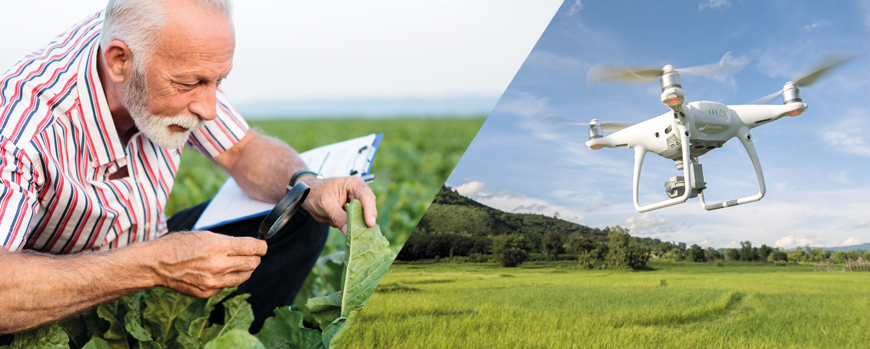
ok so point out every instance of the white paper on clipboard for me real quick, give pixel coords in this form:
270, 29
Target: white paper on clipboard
347, 158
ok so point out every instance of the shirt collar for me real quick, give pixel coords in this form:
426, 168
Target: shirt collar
104, 142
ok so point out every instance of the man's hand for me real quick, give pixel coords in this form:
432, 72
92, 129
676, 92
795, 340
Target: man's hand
201, 263
327, 198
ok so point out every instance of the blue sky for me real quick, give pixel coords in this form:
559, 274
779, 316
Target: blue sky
815, 165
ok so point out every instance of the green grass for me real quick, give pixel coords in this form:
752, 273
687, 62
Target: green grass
415, 158
676, 305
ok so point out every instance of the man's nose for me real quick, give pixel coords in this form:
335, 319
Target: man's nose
204, 104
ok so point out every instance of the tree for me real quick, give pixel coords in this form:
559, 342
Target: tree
746, 251
618, 237
732, 254
695, 254
624, 254
510, 250
711, 254
666, 246
676, 255
551, 244
796, 255
586, 260
778, 256
583, 245
764, 252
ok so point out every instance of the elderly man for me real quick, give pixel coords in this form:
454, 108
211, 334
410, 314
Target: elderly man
91, 133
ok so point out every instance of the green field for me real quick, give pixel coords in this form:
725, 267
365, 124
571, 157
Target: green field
415, 158
676, 305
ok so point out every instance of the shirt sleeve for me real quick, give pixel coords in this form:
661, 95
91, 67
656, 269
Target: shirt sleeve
19, 197
219, 134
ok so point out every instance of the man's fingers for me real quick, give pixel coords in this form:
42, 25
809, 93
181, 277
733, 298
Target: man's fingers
363, 193
243, 263
247, 246
237, 278
337, 216
370, 211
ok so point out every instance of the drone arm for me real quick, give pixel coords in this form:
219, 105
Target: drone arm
746, 139
639, 154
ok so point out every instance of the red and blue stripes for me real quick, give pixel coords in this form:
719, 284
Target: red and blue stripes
59, 145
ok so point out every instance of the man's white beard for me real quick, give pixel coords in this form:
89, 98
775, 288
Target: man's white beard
134, 97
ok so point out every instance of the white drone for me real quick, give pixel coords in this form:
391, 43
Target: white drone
690, 130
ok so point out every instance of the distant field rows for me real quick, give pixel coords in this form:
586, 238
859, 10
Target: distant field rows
415, 158
679, 305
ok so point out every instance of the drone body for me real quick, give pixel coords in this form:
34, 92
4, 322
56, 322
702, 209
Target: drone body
690, 130
696, 129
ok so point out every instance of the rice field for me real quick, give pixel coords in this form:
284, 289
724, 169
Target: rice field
676, 305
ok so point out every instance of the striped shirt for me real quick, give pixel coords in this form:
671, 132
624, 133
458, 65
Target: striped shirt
58, 146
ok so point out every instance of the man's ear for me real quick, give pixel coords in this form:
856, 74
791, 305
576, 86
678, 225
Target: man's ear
118, 60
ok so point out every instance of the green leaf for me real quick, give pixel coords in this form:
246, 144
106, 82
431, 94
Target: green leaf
235, 338
116, 328
368, 259
96, 343
95, 325
48, 337
76, 329
237, 315
150, 345
334, 334
133, 317
285, 331
162, 307
325, 309
191, 323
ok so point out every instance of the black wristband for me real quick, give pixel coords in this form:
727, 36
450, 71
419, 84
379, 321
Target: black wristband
294, 180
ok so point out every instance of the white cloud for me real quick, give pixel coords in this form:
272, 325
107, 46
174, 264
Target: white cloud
846, 142
596, 206
471, 188
732, 244
523, 104
646, 224
541, 59
509, 201
862, 224
812, 26
575, 7
792, 241
714, 4
852, 241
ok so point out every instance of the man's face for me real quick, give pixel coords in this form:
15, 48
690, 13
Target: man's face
176, 92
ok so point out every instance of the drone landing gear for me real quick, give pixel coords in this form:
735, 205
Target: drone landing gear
640, 154
746, 139
677, 188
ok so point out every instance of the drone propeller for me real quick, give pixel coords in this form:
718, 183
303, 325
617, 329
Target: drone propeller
606, 126
726, 66
828, 61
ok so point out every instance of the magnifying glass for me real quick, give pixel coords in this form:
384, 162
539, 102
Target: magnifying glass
283, 211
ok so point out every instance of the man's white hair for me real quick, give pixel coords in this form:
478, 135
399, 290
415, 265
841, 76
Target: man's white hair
137, 23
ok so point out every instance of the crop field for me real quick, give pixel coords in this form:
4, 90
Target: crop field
676, 305
415, 158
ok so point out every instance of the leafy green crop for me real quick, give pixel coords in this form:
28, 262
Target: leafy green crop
161, 318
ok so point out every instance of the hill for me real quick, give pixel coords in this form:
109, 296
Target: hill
451, 212
861, 247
